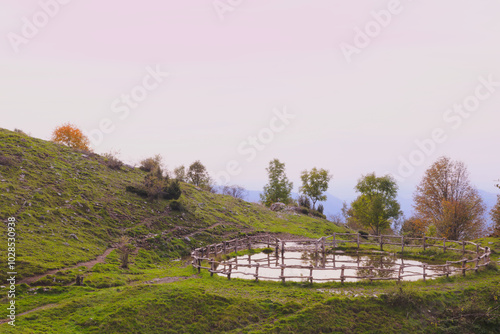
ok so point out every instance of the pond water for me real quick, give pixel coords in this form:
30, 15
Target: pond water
328, 267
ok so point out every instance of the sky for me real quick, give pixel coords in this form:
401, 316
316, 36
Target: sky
354, 87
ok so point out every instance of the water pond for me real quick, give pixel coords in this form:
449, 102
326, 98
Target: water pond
328, 267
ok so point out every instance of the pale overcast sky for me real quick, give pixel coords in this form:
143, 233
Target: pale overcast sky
349, 86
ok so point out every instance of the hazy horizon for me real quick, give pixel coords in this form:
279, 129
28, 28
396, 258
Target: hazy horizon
354, 88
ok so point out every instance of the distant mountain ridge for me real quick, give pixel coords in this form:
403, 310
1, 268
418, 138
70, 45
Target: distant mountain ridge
333, 204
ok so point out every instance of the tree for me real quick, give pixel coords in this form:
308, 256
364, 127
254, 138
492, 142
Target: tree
446, 199
180, 173
197, 174
234, 191
376, 207
414, 227
495, 216
71, 136
314, 184
279, 187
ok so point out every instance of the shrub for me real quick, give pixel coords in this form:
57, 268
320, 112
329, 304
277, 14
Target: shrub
176, 206
304, 201
172, 191
137, 191
317, 214
321, 208
111, 160
152, 163
20, 132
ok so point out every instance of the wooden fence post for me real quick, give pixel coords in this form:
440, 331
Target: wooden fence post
334, 241
211, 268
358, 240
257, 272
282, 249
444, 245
424, 270
249, 244
381, 242
447, 269
399, 273
402, 244
230, 269
342, 278
323, 245
199, 265
424, 242
283, 274
464, 265
463, 248
311, 274
371, 274
224, 247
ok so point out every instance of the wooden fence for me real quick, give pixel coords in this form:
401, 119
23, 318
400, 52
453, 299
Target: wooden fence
211, 257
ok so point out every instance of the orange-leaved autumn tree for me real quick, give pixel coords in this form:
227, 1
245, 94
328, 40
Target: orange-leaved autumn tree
446, 199
70, 135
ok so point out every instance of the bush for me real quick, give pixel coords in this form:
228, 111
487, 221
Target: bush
150, 164
321, 208
111, 160
317, 214
304, 201
137, 191
172, 191
176, 206
20, 132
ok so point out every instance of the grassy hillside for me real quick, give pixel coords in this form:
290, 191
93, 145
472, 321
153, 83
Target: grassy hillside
72, 208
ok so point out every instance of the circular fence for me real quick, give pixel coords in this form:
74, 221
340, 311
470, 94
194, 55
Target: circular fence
321, 257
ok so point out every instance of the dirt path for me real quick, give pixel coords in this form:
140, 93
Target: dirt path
88, 264
40, 308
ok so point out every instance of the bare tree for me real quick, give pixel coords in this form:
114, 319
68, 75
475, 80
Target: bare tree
235, 191
446, 199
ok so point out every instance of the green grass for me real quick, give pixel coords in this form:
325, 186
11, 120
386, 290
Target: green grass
64, 192
55, 192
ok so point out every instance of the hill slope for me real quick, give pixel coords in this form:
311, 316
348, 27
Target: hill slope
71, 207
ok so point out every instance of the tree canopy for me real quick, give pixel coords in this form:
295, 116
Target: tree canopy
446, 199
314, 184
71, 136
376, 206
197, 174
279, 188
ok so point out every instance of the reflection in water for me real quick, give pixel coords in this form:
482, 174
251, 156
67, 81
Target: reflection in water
327, 266
382, 266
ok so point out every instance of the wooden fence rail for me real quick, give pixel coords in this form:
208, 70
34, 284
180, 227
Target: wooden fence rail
211, 254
